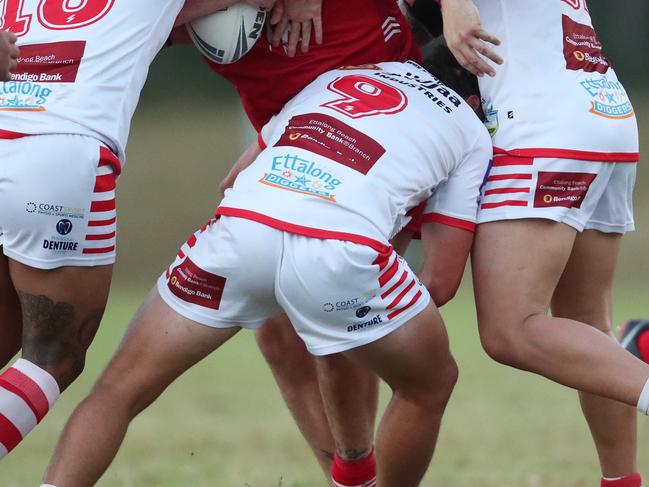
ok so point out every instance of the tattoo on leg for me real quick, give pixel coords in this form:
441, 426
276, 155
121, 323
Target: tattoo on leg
54, 337
327, 454
352, 454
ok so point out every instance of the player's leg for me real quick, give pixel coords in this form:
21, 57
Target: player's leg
584, 294
516, 267
294, 371
11, 328
416, 362
350, 394
59, 236
159, 346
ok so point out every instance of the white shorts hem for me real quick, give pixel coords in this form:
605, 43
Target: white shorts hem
177, 306
55, 264
377, 335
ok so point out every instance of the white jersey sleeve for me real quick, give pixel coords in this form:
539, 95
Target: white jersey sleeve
455, 201
82, 65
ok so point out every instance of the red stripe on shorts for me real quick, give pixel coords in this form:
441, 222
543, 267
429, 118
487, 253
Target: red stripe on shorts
105, 183
504, 177
10, 436
29, 391
506, 191
107, 158
414, 299
107, 205
401, 295
394, 288
507, 160
103, 250
387, 275
498, 204
105, 236
102, 223
382, 259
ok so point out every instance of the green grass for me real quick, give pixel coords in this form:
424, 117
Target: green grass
224, 423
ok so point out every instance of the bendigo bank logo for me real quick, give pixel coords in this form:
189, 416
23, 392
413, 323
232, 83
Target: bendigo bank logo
195, 285
567, 189
299, 175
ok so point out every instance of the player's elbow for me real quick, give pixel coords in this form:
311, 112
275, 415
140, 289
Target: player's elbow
442, 288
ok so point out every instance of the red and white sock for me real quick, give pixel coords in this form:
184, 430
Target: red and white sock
629, 481
27, 393
356, 473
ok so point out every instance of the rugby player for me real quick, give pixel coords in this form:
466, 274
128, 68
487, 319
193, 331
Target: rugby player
9, 52
64, 121
306, 225
566, 144
354, 33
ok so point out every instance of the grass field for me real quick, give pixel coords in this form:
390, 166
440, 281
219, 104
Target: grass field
224, 423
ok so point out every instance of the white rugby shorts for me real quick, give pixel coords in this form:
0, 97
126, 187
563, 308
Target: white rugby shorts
338, 295
586, 195
57, 201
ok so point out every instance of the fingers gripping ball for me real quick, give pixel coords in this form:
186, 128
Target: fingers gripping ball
227, 35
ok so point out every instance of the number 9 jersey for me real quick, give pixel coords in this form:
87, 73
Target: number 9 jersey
82, 65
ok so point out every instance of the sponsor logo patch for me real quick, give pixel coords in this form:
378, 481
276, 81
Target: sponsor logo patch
333, 139
38, 65
376, 320
581, 49
609, 98
299, 175
196, 286
64, 227
566, 189
53, 209
348, 304
491, 121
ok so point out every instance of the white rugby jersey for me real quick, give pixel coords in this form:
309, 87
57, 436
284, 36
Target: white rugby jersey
352, 154
82, 65
556, 95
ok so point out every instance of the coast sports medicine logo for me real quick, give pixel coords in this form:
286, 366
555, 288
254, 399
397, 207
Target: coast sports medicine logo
609, 99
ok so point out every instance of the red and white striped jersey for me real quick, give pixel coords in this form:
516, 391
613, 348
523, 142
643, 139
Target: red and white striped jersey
82, 64
358, 149
556, 95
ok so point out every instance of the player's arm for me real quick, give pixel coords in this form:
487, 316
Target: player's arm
466, 38
304, 17
449, 221
445, 251
8, 54
195, 9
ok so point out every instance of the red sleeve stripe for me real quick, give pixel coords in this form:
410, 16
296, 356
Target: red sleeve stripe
10, 436
498, 204
102, 223
29, 391
107, 158
180, 254
578, 155
105, 183
504, 177
414, 299
105, 236
449, 221
506, 191
103, 250
98, 206
260, 141
401, 295
191, 241
10, 135
507, 160
389, 274
394, 288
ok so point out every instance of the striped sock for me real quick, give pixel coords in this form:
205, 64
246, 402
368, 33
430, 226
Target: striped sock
27, 393
629, 481
356, 473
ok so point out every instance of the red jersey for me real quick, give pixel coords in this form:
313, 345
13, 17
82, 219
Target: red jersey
354, 32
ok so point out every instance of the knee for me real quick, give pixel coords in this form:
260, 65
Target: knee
434, 394
500, 345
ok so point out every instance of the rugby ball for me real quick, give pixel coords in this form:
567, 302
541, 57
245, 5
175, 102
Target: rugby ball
227, 35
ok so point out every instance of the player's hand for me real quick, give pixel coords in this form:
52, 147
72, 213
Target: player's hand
9, 53
466, 38
247, 158
301, 17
